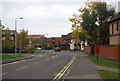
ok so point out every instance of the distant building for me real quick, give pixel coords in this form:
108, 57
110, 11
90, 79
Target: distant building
36, 40
66, 40
54, 42
114, 30
35, 36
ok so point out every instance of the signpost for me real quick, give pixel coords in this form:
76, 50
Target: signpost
97, 50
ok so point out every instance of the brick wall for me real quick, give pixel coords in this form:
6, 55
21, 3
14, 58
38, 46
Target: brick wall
87, 49
107, 51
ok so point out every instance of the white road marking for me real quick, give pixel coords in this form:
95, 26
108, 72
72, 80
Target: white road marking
22, 68
53, 57
48, 59
4, 73
41, 56
37, 63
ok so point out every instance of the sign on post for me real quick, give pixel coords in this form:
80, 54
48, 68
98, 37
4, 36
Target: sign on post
97, 50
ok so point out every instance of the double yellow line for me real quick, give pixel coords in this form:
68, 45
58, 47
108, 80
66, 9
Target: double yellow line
60, 74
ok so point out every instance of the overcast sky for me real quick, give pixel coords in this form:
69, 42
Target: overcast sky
41, 16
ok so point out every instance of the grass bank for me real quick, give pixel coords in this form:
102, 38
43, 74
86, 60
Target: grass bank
4, 57
105, 62
38, 52
109, 76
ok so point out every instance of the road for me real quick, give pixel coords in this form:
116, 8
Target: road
43, 66
62, 65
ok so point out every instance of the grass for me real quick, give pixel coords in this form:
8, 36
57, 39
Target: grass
105, 62
38, 52
81, 51
109, 76
4, 57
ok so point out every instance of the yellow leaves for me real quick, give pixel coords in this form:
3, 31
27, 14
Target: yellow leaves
73, 25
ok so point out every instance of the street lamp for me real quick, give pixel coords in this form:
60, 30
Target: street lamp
20, 45
16, 34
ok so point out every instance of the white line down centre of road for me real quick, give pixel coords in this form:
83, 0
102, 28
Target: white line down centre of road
4, 73
37, 63
22, 68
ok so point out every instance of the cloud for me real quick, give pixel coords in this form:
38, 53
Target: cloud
39, 18
42, 16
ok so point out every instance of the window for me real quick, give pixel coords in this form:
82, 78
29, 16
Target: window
112, 28
53, 42
117, 26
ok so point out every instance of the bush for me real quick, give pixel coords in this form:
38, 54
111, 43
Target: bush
31, 50
8, 50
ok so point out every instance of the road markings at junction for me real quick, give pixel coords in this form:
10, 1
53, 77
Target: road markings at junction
4, 74
61, 73
37, 63
22, 68
48, 59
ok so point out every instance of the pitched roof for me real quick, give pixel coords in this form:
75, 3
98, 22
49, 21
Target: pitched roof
115, 18
35, 36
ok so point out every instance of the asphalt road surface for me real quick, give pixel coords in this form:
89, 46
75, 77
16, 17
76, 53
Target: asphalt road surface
43, 66
63, 65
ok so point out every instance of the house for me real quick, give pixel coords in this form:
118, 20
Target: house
36, 40
66, 40
114, 30
54, 42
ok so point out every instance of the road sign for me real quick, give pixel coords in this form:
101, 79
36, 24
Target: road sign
97, 50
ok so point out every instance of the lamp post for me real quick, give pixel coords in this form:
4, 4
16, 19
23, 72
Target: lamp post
20, 44
16, 34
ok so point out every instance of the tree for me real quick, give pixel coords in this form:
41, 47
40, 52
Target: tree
1, 27
75, 27
8, 43
93, 19
22, 39
83, 35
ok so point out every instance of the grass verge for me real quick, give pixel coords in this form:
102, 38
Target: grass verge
38, 52
105, 62
109, 76
4, 57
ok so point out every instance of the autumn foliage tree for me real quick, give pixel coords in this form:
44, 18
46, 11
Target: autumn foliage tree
22, 39
93, 20
8, 42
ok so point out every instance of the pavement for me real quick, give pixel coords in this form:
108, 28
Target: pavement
82, 69
107, 68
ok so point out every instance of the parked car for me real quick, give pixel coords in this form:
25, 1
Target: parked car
57, 49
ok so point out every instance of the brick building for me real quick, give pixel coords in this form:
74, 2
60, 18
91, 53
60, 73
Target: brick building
37, 40
66, 40
114, 30
54, 42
